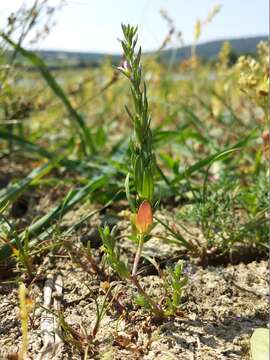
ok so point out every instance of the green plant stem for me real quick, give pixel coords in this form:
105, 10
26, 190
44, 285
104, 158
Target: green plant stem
159, 312
138, 254
135, 280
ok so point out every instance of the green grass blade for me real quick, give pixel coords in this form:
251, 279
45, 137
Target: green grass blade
27, 145
194, 119
164, 137
85, 133
11, 193
179, 239
211, 159
38, 150
65, 206
54, 215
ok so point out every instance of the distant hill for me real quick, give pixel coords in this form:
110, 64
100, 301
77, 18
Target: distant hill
74, 58
208, 50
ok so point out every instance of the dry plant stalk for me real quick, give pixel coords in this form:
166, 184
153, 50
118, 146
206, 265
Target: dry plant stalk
25, 307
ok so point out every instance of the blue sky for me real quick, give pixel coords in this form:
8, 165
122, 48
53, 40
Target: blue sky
94, 25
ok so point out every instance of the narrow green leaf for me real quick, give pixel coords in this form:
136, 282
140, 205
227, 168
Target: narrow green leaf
54, 215
128, 195
12, 192
211, 159
85, 133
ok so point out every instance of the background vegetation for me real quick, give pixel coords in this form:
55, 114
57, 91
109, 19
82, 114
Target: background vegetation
65, 151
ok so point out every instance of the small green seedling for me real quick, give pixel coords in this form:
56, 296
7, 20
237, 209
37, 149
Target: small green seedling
21, 251
112, 255
175, 283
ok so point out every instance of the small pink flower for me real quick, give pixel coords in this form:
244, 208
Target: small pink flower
124, 67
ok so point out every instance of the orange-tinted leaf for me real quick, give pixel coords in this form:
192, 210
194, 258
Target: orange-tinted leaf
144, 219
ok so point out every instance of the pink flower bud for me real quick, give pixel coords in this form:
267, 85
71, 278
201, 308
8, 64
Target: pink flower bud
144, 219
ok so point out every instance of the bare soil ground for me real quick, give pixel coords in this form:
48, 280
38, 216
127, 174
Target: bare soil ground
223, 306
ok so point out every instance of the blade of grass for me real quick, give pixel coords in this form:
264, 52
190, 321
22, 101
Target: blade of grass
27, 145
179, 239
165, 137
228, 106
42, 224
66, 205
85, 133
12, 192
197, 123
212, 158
76, 226
32, 148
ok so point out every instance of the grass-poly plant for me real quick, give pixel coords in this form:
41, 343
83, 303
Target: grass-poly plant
143, 163
143, 167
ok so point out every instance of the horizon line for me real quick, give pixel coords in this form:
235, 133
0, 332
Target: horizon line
153, 50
